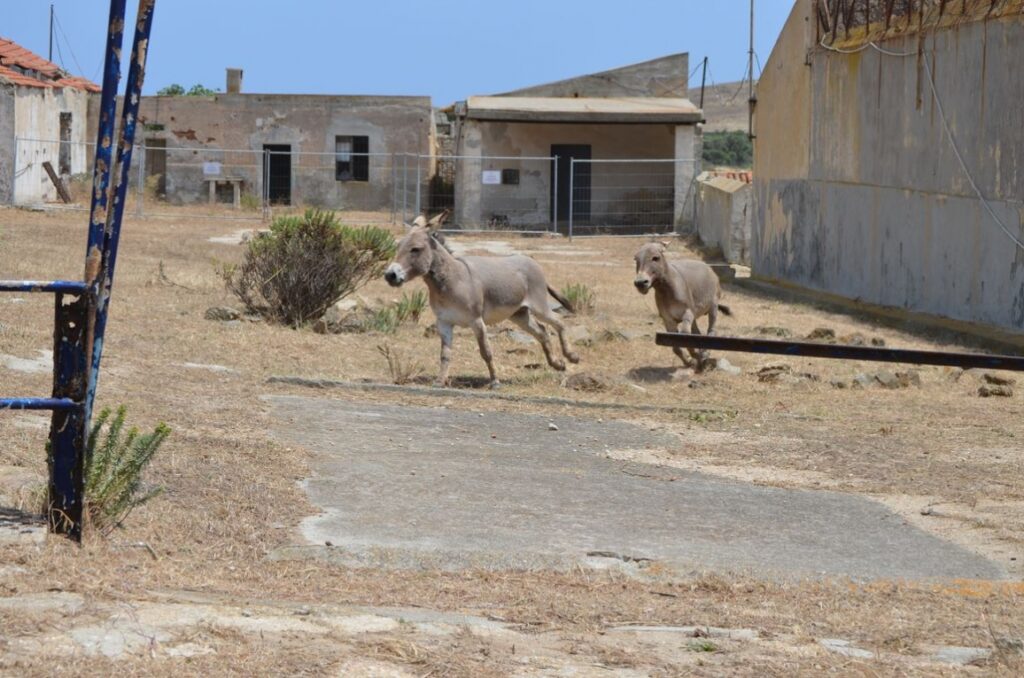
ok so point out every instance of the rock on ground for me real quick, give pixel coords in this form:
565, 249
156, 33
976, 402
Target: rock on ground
994, 391
222, 313
588, 382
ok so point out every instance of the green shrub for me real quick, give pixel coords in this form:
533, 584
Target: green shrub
728, 149
305, 264
581, 297
410, 308
407, 309
113, 469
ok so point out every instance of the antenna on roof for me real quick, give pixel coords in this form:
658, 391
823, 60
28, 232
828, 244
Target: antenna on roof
49, 56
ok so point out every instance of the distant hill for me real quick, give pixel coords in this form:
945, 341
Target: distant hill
724, 108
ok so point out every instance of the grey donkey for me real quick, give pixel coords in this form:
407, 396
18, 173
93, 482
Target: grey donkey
684, 290
479, 291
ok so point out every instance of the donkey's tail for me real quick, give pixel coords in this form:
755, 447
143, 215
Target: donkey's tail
561, 299
725, 309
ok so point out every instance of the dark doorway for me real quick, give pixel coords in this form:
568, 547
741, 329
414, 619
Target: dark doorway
156, 166
64, 155
278, 172
580, 183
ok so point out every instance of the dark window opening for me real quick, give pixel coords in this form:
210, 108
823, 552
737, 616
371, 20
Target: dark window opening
510, 177
351, 159
64, 155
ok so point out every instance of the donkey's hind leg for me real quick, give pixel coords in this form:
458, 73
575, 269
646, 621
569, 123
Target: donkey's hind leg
548, 317
525, 320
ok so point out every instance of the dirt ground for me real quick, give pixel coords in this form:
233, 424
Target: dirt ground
186, 587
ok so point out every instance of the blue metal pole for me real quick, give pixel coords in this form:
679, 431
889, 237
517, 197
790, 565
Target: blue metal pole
105, 141
112, 227
53, 404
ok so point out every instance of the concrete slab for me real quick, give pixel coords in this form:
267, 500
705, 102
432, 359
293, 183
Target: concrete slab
431, 487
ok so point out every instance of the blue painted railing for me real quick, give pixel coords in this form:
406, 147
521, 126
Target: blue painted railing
81, 307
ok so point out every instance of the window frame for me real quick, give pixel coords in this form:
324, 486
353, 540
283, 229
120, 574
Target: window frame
356, 168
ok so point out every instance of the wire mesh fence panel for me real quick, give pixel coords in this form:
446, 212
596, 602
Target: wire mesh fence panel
202, 181
502, 193
71, 164
627, 197
357, 184
410, 170
208, 182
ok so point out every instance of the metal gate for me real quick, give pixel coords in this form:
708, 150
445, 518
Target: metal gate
81, 306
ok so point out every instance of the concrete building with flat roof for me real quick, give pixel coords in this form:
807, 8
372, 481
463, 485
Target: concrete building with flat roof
329, 151
636, 113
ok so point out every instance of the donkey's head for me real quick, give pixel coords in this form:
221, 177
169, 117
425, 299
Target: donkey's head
415, 254
651, 266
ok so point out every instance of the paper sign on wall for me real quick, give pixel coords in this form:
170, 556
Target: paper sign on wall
492, 177
211, 169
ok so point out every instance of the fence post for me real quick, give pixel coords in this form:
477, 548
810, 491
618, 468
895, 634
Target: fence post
405, 184
265, 157
419, 183
14, 175
554, 194
394, 188
572, 178
140, 190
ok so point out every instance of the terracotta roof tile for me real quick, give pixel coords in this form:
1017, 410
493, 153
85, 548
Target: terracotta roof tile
50, 74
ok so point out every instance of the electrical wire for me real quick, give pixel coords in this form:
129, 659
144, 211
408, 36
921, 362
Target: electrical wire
60, 28
945, 126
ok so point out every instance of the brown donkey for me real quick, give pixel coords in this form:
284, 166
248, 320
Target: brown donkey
479, 291
684, 289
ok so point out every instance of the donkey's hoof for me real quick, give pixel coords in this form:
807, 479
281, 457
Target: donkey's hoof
574, 358
706, 364
494, 385
441, 384
558, 366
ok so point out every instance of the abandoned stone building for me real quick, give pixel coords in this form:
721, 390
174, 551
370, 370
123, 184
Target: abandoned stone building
315, 150
888, 164
638, 112
43, 119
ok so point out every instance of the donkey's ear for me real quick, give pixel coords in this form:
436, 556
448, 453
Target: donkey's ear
664, 244
420, 221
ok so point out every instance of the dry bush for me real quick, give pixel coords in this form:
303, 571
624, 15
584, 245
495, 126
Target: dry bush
305, 264
401, 369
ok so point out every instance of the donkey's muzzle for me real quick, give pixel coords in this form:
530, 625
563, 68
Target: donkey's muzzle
642, 286
395, 275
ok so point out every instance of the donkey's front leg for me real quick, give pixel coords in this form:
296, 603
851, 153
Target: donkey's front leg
480, 329
445, 332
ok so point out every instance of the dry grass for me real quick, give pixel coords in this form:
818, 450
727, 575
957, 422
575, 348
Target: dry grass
232, 497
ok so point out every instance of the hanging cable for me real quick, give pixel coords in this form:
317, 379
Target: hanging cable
60, 28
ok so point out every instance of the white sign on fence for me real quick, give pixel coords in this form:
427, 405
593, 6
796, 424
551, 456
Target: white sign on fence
211, 169
492, 177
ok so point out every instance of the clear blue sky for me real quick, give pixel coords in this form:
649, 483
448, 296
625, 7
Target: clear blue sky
448, 49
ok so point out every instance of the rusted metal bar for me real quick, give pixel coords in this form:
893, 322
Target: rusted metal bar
105, 140
59, 286
842, 352
111, 235
68, 427
51, 404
